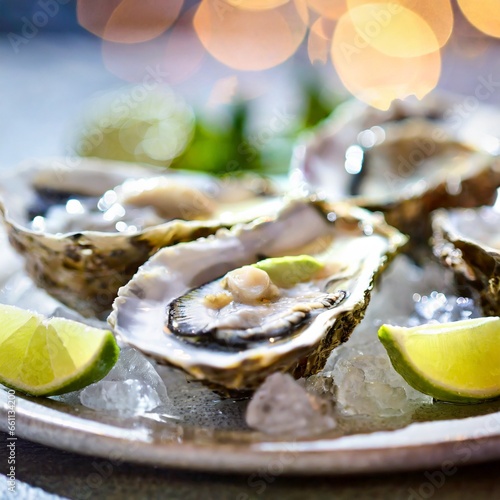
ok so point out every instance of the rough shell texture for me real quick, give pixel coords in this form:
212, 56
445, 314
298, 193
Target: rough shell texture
412, 215
84, 270
358, 238
467, 241
425, 158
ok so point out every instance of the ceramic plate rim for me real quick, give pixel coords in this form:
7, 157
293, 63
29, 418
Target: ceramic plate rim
479, 437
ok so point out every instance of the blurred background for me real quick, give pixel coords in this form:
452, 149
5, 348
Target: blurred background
223, 85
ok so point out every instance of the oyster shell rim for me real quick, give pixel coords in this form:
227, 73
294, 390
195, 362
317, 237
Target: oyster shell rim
403, 212
152, 170
88, 282
474, 263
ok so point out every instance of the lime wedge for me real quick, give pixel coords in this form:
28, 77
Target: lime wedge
456, 362
44, 357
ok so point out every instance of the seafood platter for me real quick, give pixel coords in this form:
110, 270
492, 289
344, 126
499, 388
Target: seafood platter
247, 308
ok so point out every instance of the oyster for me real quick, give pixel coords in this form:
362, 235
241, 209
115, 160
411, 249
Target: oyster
174, 308
84, 226
468, 242
407, 161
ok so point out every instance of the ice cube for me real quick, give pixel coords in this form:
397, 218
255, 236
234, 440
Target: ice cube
350, 388
126, 396
133, 365
365, 383
390, 400
283, 406
134, 379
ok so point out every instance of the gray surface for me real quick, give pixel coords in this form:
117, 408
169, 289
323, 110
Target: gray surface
77, 477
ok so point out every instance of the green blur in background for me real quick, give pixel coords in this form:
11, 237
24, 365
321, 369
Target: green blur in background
160, 128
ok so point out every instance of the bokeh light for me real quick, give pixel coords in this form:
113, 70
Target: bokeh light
438, 14
223, 91
375, 77
393, 29
484, 15
172, 58
381, 50
331, 9
251, 39
319, 40
184, 52
134, 62
128, 21
152, 126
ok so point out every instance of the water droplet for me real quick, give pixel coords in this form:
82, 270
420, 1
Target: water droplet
74, 207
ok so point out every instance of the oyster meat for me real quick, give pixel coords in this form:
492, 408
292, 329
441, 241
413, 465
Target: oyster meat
84, 226
468, 242
254, 309
274, 295
406, 162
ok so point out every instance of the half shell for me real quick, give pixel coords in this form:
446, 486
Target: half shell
356, 244
468, 242
406, 162
84, 269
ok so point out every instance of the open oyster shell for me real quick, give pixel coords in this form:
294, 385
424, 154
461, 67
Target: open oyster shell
407, 161
354, 244
468, 242
84, 268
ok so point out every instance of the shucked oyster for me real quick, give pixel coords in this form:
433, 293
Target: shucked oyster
468, 242
407, 161
84, 229
219, 309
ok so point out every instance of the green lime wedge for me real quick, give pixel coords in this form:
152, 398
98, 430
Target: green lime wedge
44, 357
457, 362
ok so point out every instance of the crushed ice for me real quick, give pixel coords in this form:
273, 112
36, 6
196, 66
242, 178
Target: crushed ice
441, 308
129, 395
282, 406
132, 387
359, 375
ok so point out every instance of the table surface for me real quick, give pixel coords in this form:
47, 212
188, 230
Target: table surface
79, 477
46, 84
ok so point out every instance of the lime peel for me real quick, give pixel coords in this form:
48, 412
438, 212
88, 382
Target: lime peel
456, 362
46, 357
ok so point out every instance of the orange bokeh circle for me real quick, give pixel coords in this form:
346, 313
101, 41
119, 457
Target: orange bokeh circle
331, 9
319, 40
128, 21
377, 78
484, 15
437, 14
251, 40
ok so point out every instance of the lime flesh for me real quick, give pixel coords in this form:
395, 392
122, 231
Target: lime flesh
456, 362
44, 357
